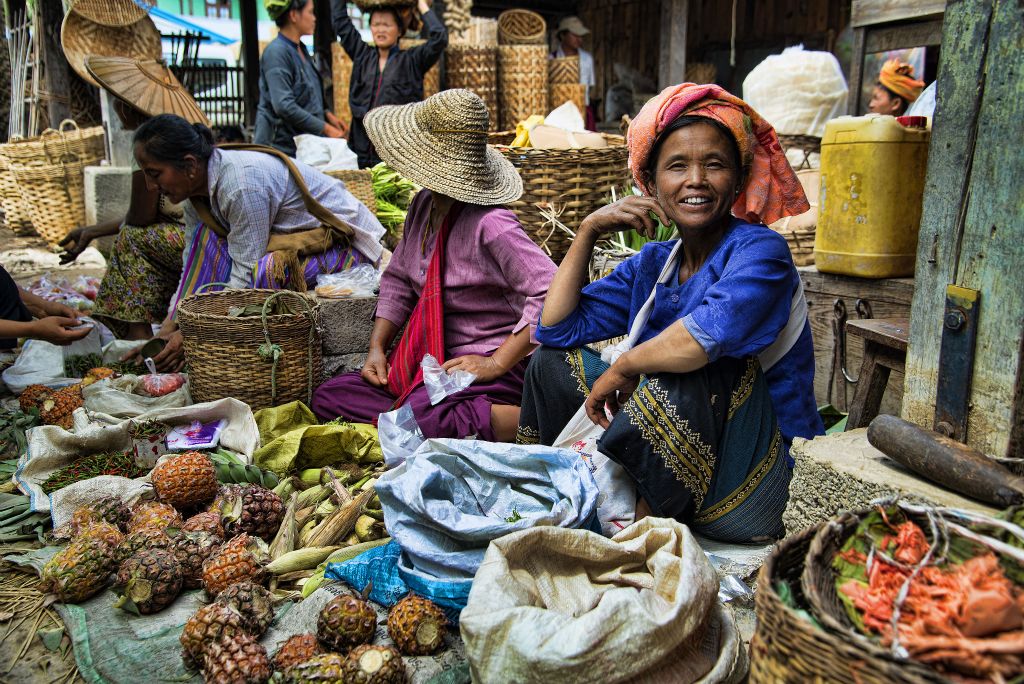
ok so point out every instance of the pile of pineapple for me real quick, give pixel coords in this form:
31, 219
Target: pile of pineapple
197, 533
55, 406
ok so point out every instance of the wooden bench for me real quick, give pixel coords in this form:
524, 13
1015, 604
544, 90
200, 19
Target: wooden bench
885, 350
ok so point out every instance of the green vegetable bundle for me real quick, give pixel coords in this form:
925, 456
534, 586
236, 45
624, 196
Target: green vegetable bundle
394, 195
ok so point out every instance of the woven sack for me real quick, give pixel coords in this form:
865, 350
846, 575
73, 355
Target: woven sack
564, 70
54, 195
360, 183
475, 68
560, 93
522, 83
521, 27
570, 184
67, 141
788, 648
16, 215
234, 356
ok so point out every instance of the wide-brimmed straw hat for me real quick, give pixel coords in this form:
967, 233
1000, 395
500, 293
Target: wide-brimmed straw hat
441, 144
145, 84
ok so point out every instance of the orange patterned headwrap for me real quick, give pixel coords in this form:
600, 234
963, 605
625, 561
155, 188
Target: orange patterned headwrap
898, 77
771, 191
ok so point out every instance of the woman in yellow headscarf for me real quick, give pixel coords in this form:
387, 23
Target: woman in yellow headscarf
896, 89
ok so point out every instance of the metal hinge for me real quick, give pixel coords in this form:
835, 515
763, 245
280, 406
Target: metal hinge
956, 361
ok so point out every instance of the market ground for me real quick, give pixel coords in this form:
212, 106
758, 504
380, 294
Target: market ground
27, 258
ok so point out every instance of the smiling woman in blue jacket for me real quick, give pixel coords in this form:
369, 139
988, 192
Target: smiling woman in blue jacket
291, 96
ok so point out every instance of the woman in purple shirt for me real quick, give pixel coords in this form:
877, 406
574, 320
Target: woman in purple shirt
465, 282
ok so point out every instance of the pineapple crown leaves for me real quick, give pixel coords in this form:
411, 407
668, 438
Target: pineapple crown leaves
136, 591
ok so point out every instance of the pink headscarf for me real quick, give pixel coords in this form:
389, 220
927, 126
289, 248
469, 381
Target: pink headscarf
772, 189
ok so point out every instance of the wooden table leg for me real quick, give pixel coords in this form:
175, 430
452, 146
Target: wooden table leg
874, 375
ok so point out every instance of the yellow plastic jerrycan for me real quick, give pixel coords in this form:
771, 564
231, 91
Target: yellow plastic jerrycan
872, 182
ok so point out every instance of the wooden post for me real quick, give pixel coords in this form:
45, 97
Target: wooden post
57, 83
971, 229
323, 39
672, 67
250, 58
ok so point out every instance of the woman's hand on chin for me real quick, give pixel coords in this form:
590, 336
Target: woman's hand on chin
485, 368
632, 212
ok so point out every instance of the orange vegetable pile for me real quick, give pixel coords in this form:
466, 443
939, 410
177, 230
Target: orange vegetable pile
965, 618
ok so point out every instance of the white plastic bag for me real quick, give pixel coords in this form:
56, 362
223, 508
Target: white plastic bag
40, 363
326, 154
567, 117
399, 434
798, 90
121, 398
616, 507
441, 383
361, 281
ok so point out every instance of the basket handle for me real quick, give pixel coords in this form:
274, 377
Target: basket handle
202, 287
268, 351
74, 124
68, 155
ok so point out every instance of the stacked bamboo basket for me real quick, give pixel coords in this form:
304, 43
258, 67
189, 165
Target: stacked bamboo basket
45, 179
564, 83
475, 68
522, 67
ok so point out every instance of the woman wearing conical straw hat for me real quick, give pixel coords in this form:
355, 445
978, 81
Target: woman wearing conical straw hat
465, 281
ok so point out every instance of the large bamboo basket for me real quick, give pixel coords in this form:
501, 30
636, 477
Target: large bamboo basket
360, 183
16, 216
787, 648
112, 12
560, 93
522, 83
521, 27
475, 68
223, 352
64, 142
54, 195
571, 184
564, 70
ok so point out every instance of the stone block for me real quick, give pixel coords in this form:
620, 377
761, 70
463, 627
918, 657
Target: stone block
342, 363
347, 324
108, 192
843, 472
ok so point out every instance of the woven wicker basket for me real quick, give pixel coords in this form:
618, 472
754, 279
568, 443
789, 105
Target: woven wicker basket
54, 195
564, 70
475, 68
341, 76
67, 141
521, 27
223, 351
16, 216
112, 12
522, 83
370, 5
83, 38
560, 93
818, 582
806, 144
571, 184
701, 72
360, 183
789, 649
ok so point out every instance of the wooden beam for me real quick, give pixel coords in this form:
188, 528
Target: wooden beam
901, 36
251, 58
672, 67
56, 70
867, 12
971, 234
323, 39
856, 71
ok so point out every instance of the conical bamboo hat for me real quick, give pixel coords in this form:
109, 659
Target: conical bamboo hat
81, 38
145, 84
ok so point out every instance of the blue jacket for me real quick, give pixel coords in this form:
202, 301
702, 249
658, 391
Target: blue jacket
291, 97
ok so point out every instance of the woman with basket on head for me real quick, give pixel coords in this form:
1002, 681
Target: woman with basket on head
465, 281
254, 217
384, 74
700, 403
291, 94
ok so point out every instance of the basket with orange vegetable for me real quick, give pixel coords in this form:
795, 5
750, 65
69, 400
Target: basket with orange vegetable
938, 587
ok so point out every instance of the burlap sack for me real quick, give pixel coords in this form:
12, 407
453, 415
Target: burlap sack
559, 605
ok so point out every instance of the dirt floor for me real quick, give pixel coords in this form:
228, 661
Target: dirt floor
27, 258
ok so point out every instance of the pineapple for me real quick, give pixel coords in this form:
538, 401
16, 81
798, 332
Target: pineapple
240, 559
96, 374
249, 509
140, 540
148, 582
102, 531
236, 660
57, 407
185, 480
207, 521
111, 509
32, 397
416, 625
298, 649
346, 621
79, 571
254, 603
209, 623
155, 515
321, 669
369, 664
192, 549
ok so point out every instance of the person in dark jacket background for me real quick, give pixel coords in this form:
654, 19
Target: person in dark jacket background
291, 96
384, 74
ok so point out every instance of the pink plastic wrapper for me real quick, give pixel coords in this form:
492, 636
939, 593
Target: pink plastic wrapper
163, 383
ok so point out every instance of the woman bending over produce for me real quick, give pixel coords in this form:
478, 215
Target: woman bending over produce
718, 380
465, 280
